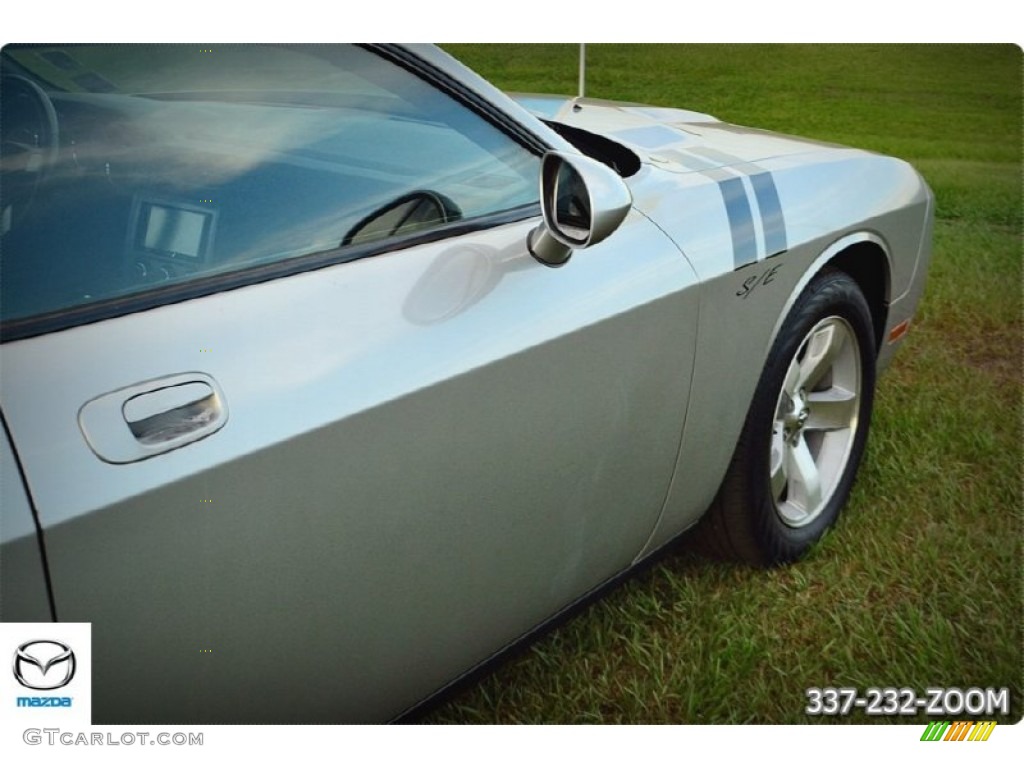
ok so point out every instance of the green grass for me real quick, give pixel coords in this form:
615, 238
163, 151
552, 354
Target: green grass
920, 584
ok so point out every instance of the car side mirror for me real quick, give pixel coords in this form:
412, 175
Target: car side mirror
582, 200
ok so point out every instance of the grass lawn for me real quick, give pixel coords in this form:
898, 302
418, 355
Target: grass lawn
920, 584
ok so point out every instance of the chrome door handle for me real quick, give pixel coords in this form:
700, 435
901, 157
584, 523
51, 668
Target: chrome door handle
153, 417
167, 413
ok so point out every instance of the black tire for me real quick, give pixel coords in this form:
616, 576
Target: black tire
809, 418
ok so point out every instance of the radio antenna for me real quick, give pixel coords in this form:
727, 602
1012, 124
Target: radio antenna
583, 69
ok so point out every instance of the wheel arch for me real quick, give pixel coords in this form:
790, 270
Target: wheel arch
868, 264
865, 257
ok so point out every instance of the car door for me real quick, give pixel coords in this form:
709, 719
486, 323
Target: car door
310, 433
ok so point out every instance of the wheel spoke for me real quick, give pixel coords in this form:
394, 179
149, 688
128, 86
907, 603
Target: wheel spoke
822, 349
792, 382
778, 463
835, 408
804, 478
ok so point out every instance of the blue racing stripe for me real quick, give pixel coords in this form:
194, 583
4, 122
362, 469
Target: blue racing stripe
741, 221
772, 220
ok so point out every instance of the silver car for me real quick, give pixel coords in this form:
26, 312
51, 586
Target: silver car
343, 364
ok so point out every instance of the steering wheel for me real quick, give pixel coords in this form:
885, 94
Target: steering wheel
30, 140
408, 213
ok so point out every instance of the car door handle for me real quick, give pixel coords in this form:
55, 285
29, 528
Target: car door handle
170, 412
153, 417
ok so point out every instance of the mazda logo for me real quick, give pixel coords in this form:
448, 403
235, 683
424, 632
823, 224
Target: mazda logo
44, 664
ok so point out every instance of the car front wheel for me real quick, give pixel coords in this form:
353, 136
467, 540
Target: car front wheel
805, 432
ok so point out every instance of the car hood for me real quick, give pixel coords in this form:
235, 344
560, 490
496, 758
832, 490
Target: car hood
673, 139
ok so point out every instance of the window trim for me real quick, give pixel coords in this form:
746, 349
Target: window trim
462, 93
208, 285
